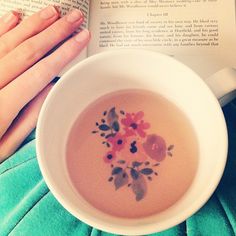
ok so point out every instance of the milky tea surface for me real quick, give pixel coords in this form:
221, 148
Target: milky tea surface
132, 153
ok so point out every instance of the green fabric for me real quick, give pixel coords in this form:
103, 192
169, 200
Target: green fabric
27, 207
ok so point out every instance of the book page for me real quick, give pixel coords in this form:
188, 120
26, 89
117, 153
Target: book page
200, 33
28, 7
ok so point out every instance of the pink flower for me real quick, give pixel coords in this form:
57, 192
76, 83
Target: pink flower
118, 142
134, 125
109, 157
155, 147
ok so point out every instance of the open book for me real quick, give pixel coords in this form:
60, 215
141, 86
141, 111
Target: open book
200, 33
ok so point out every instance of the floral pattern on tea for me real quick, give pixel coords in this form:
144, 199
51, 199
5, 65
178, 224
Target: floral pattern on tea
133, 154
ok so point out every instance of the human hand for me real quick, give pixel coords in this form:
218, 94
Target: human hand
25, 72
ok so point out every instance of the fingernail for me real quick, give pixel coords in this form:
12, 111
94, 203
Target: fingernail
48, 12
17, 12
58, 9
9, 17
74, 16
84, 35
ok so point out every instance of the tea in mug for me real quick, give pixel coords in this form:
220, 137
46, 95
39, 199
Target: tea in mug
132, 153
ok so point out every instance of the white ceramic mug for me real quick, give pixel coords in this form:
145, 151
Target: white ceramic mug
134, 69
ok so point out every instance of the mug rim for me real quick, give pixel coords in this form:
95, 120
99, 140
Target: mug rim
147, 229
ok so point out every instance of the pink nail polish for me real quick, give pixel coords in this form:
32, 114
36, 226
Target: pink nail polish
18, 12
74, 16
48, 12
83, 36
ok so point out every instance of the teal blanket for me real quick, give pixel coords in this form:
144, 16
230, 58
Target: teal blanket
27, 207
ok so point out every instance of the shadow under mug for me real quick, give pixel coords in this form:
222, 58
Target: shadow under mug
135, 69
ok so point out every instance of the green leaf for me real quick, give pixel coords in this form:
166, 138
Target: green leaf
121, 161
116, 126
170, 147
157, 164
110, 135
110, 179
134, 174
104, 127
112, 116
169, 154
136, 164
116, 170
120, 180
146, 171
139, 188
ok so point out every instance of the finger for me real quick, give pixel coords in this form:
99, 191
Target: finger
9, 21
36, 47
27, 28
22, 126
30, 83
